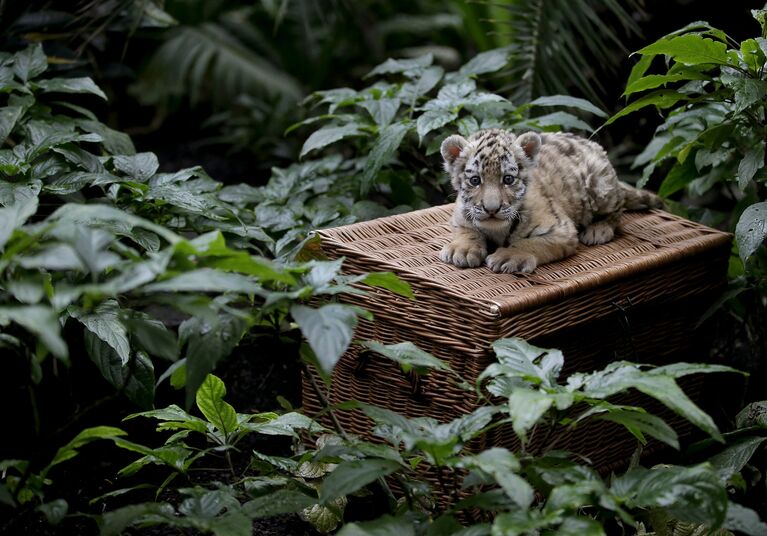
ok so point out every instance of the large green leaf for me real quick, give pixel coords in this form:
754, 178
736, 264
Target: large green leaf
408, 355
15, 213
663, 98
135, 378
9, 115
105, 323
618, 377
744, 520
206, 280
206, 345
40, 320
328, 330
283, 501
383, 526
140, 167
751, 229
389, 281
30, 62
526, 407
692, 494
640, 423
689, 49
432, 120
752, 162
383, 150
210, 400
327, 135
489, 61
71, 85
69, 450
381, 110
350, 476
732, 459
569, 102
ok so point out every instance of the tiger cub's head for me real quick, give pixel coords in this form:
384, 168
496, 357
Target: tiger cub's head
490, 171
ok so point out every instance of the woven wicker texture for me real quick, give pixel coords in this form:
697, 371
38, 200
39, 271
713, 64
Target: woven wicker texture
638, 298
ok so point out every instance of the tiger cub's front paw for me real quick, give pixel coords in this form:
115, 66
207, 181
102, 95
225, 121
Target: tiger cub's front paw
463, 254
507, 260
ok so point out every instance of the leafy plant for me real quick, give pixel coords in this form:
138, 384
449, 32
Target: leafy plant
525, 491
711, 145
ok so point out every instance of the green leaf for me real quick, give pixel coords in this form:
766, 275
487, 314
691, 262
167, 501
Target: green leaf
69, 450
327, 135
71, 85
14, 214
30, 62
678, 178
210, 400
383, 150
751, 229
663, 98
104, 322
562, 120
135, 378
502, 465
389, 281
115, 522
689, 49
205, 280
570, 102
640, 68
383, 526
408, 355
206, 345
153, 337
381, 110
350, 476
654, 80
580, 526
754, 414
489, 61
618, 377
432, 120
9, 115
54, 511
744, 520
328, 330
139, 167
732, 459
283, 501
752, 162
392, 66
639, 423
41, 321
692, 494
526, 407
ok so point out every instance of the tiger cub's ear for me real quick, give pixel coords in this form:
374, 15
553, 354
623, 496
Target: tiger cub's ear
451, 148
530, 142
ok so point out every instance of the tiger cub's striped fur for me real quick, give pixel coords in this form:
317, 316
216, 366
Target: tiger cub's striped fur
531, 198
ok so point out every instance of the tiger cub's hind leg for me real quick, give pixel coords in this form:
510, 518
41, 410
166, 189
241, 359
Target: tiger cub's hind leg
600, 231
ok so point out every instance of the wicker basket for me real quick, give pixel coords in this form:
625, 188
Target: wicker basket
638, 298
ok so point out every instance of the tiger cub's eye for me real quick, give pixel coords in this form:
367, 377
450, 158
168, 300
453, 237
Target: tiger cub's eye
508, 179
475, 180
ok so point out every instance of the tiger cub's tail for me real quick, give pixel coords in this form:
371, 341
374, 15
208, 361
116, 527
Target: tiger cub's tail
636, 199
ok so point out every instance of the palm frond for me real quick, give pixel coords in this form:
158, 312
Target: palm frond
208, 60
557, 44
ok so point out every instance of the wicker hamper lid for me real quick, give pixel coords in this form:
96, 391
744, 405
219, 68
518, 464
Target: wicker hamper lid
409, 244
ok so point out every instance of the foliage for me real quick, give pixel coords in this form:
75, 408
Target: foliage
96, 240
711, 145
526, 491
539, 31
375, 151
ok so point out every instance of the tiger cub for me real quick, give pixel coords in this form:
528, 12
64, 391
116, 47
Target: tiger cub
531, 198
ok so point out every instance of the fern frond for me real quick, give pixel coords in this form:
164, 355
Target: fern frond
207, 60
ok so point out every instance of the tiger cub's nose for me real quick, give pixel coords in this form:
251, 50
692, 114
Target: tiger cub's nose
491, 209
